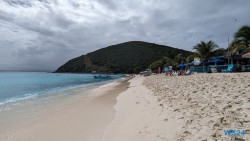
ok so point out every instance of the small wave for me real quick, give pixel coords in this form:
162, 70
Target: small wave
106, 85
15, 99
57, 90
4, 108
123, 78
53, 91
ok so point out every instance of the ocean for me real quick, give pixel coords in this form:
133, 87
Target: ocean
20, 86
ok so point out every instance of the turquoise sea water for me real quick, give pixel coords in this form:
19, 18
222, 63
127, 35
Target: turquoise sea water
17, 86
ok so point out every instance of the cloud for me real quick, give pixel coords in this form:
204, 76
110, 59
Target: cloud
42, 34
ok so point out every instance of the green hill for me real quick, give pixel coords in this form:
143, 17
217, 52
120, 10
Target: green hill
128, 57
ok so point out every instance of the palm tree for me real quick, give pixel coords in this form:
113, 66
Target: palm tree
242, 36
205, 50
241, 40
178, 58
237, 46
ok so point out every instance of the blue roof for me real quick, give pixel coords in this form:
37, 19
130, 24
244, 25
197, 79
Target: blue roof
215, 60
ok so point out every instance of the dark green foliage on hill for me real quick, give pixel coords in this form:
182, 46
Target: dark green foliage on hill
129, 57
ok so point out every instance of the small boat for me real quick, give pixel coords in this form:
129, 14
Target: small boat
102, 77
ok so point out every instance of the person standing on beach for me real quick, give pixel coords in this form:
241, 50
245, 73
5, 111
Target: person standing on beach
159, 70
238, 66
166, 69
243, 67
170, 70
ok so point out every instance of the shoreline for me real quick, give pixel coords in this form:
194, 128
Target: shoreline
83, 116
41, 84
139, 116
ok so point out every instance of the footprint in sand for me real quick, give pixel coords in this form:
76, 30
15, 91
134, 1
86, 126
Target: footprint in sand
189, 122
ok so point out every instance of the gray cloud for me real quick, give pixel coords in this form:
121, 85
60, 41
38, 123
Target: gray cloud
42, 35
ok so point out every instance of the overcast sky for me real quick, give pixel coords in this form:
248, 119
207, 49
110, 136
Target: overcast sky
44, 34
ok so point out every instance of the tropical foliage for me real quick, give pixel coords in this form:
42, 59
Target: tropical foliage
167, 61
241, 40
156, 64
191, 57
205, 50
236, 46
219, 52
243, 35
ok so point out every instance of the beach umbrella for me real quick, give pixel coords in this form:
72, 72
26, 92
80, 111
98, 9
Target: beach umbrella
247, 55
182, 65
215, 60
191, 63
220, 57
197, 63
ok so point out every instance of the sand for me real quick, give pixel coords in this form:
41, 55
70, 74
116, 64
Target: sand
182, 108
83, 118
139, 116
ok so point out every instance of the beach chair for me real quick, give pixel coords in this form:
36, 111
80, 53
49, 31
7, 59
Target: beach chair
229, 68
175, 73
214, 70
187, 72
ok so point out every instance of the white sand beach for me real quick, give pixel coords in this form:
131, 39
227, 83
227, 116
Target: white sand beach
156, 108
185, 108
139, 116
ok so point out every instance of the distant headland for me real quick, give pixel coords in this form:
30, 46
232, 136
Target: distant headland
129, 57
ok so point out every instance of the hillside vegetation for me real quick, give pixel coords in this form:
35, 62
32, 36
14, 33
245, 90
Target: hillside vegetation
128, 57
